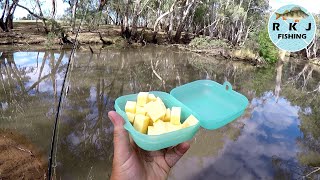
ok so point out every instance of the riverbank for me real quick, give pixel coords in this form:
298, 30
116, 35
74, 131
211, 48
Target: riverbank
30, 35
19, 159
33, 32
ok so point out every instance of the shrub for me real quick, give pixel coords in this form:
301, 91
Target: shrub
50, 39
266, 48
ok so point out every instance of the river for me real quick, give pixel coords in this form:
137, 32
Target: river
276, 138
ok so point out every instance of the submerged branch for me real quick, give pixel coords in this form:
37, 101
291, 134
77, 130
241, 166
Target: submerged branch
316, 170
155, 72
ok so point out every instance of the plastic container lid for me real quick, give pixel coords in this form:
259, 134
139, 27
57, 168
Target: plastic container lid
213, 104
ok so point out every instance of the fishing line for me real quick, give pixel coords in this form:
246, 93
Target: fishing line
71, 57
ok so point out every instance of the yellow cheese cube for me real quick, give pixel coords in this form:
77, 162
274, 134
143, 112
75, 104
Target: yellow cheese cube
162, 117
167, 116
140, 110
160, 101
141, 123
155, 109
142, 98
130, 116
151, 97
175, 115
171, 127
130, 107
160, 126
190, 121
150, 121
153, 131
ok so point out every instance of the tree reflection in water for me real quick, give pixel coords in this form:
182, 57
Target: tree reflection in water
27, 94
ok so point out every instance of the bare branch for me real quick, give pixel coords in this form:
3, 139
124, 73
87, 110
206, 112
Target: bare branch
163, 15
33, 14
318, 169
143, 7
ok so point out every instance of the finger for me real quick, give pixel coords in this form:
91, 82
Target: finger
133, 144
121, 142
173, 155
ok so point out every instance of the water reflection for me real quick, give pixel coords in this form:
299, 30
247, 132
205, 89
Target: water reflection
276, 138
270, 132
28, 87
29, 84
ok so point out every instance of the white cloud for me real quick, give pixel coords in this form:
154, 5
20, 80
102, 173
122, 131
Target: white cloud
269, 133
311, 5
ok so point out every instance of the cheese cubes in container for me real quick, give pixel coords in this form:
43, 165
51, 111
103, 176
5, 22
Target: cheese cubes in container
156, 142
212, 104
152, 117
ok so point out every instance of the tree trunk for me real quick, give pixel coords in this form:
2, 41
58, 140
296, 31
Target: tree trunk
135, 17
53, 12
102, 4
41, 14
311, 50
125, 24
162, 16
6, 20
74, 10
9, 21
117, 17
3, 25
183, 21
170, 24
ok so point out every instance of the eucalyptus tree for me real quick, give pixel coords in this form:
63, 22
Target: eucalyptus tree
8, 8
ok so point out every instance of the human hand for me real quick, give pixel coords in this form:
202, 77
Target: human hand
131, 162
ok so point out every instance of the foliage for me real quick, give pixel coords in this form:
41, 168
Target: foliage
50, 39
311, 158
54, 27
266, 48
245, 53
200, 12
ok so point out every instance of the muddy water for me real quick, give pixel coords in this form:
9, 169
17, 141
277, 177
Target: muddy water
276, 138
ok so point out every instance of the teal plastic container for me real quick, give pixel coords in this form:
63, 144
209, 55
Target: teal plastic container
213, 104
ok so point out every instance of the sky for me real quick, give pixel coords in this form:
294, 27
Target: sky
311, 5
46, 8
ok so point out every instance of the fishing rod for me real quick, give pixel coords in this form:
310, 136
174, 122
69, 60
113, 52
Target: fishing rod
75, 45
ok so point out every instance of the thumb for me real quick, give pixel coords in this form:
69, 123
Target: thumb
121, 142
173, 155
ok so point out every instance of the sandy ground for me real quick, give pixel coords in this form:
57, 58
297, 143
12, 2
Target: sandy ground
19, 159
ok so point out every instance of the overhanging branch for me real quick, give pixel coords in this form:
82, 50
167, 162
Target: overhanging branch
33, 14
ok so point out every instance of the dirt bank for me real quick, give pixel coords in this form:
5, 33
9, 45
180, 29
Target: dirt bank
32, 32
19, 159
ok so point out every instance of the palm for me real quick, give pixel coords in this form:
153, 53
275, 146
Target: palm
153, 164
